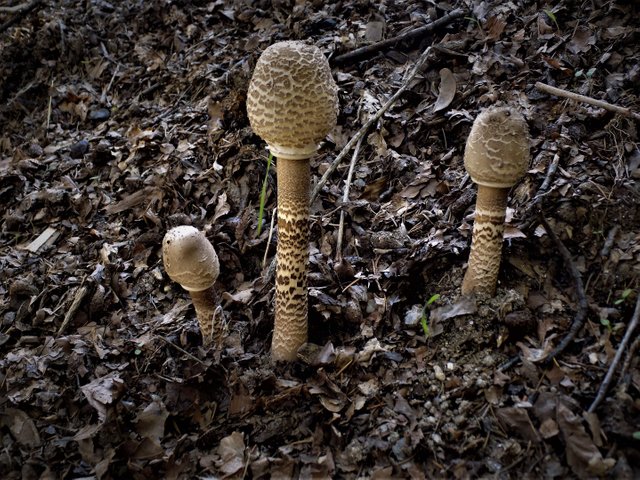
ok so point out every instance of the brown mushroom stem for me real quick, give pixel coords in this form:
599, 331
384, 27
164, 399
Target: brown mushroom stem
290, 330
206, 303
486, 246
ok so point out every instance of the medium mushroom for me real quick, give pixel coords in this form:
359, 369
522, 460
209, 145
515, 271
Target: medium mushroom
496, 157
292, 105
190, 260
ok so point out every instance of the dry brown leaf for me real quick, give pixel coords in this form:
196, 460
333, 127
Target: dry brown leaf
21, 427
447, 91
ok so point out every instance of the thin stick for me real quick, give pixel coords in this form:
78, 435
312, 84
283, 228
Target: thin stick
627, 359
192, 357
14, 9
81, 292
558, 92
608, 244
345, 199
363, 130
612, 368
367, 50
581, 314
22, 10
551, 171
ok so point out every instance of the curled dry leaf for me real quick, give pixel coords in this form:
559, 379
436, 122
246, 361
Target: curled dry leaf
447, 92
102, 392
231, 451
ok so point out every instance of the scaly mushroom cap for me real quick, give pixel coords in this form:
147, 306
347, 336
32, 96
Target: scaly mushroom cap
497, 151
189, 258
292, 100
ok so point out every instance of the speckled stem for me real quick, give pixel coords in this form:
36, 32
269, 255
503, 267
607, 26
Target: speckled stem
486, 245
206, 302
290, 329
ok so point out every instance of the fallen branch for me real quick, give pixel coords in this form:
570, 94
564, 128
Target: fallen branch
345, 199
581, 314
558, 92
19, 11
367, 50
627, 359
14, 9
363, 130
614, 364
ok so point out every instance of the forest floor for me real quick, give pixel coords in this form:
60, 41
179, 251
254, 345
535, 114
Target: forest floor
120, 120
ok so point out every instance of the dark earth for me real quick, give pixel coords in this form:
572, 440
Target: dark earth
122, 119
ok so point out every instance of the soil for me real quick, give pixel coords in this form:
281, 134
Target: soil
123, 119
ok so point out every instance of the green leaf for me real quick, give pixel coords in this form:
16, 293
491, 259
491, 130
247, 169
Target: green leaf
263, 194
636, 435
552, 16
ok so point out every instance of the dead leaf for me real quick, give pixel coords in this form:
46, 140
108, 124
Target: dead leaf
102, 392
516, 418
231, 452
582, 40
447, 90
150, 422
582, 455
463, 306
21, 427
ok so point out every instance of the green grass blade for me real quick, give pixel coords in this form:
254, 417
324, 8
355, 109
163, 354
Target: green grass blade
263, 194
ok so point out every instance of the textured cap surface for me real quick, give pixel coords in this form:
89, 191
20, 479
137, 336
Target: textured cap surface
292, 100
189, 258
497, 151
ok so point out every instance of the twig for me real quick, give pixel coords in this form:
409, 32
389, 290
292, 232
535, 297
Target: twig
363, 130
542, 191
608, 244
20, 11
367, 50
627, 359
14, 9
192, 357
612, 368
81, 292
345, 199
581, 314
551, 171
558, 92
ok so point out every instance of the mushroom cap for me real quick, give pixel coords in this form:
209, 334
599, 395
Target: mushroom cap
189, 258
292, 100
497, 151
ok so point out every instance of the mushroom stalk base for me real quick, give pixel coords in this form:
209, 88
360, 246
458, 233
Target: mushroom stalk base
290, 329
486, 245
211, 326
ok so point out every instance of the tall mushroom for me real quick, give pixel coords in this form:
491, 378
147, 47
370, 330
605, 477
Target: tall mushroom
190, 260
496, 157
292, 104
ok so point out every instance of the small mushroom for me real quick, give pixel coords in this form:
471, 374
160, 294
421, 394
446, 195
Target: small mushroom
190, 260
496, 157
292, 104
